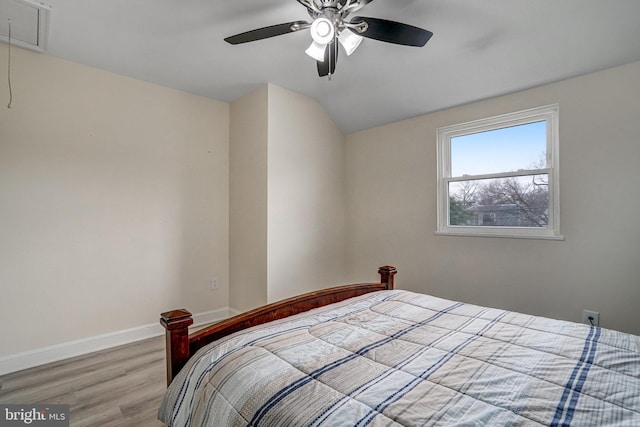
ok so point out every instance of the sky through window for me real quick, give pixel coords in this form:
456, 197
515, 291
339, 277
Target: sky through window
501, 150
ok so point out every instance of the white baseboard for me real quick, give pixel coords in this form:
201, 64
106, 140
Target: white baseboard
208, 317
54, 353
234, 311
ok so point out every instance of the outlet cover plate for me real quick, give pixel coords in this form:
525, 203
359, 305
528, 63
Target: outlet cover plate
593, 314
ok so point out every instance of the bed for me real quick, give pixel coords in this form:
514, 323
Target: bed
371, 355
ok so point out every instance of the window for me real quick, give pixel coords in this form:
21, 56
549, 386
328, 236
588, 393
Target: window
498, 177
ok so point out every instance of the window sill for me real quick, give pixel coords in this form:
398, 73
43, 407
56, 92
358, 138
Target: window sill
507, 235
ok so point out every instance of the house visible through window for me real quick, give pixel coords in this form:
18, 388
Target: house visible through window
499, 176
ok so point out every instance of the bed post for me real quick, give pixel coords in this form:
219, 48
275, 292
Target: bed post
386, 275
176, 324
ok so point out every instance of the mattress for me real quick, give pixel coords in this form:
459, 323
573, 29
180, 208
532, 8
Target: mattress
397, 358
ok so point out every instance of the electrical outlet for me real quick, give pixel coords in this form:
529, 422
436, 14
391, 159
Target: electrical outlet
591, 318
214, 283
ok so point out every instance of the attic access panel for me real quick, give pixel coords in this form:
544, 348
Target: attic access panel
29, 23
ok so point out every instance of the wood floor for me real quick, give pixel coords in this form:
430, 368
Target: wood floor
116, 387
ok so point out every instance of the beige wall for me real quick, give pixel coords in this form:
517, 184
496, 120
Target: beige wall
287, 198
306, 209
113, 202
115, 197
248, 200
391, 189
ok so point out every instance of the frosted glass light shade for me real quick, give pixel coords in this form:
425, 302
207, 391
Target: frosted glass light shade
322, 31
349, 41
316, 51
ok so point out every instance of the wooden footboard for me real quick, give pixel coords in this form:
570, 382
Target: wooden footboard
180, 345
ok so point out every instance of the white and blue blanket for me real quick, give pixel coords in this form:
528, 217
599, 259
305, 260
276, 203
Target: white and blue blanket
396, 358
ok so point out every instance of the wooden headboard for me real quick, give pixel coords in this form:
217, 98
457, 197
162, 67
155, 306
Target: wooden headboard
180, 345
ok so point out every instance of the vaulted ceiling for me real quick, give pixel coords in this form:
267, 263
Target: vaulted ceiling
480, 49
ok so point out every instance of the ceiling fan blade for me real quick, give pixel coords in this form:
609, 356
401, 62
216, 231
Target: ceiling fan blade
328, 66
266, 32
392, 32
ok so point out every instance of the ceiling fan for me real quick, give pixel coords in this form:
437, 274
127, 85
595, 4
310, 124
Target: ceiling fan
330, 27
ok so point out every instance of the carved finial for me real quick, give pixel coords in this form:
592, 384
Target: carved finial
386, 275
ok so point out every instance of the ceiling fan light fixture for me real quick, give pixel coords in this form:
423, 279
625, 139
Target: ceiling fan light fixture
349, 41
322, 31
331, 27
316, 51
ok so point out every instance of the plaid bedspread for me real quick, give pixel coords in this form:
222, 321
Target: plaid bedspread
397, 358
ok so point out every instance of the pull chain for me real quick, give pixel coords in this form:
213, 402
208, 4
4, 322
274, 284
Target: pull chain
331, 46
9, 68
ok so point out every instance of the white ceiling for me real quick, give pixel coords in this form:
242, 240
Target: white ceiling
480, 49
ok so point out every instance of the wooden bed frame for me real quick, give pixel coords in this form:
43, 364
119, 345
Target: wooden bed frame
181, 345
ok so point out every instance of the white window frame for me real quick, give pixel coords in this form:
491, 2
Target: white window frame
549, 114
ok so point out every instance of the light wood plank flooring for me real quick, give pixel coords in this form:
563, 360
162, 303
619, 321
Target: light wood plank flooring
122, 386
